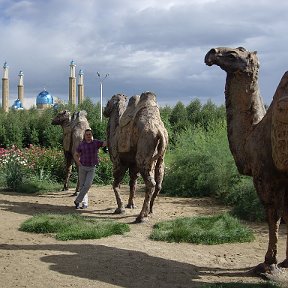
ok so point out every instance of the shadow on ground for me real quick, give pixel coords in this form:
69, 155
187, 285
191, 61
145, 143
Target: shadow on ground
124, 268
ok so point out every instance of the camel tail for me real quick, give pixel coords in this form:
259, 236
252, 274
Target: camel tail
279, 127
162, 144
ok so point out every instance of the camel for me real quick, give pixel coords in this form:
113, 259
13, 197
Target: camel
137, 141
73, 131
257, 139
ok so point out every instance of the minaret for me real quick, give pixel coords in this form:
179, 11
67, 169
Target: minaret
21, 87
5, 88
72, 84
80, 87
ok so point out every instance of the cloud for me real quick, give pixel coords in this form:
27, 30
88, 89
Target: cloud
143, 45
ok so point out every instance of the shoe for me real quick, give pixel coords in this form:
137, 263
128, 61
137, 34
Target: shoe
84, 206
77, 205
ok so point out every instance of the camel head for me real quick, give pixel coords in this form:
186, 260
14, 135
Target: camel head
233, 60
118, 102
61, 117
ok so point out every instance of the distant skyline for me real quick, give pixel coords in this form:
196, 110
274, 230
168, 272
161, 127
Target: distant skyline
151, 45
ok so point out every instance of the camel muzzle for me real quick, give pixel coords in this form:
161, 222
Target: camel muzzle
210, 57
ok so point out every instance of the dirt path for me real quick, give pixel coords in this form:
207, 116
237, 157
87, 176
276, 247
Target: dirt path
132, 260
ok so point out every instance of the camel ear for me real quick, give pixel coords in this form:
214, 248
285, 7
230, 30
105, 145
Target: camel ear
241, 49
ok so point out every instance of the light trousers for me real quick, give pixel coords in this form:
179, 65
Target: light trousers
86, 176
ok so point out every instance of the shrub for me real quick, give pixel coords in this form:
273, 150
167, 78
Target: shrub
104, 171
47, 163
245, 201
23, 168
201, 163
14, 166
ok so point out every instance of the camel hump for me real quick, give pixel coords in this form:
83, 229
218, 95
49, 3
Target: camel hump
279, 128
126, 124
147, 100
136, 105
130, 110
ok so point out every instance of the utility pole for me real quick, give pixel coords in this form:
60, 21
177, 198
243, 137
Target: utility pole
101, 79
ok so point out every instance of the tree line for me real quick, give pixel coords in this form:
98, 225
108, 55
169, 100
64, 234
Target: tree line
25, 127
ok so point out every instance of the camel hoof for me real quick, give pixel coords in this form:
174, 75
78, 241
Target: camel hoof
263, 269
284, 264
139, 219
65, 189
119, 211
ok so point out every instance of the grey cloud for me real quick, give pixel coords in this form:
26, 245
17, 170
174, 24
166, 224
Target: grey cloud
157, 47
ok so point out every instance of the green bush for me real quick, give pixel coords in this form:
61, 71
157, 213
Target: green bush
201, 163
245, 201
104, 171
14, 167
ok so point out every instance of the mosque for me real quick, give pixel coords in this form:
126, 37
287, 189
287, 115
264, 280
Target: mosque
44, 99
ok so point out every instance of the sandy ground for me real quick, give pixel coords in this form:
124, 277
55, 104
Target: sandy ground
130, 260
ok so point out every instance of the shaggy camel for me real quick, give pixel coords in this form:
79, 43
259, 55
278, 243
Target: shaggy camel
137, 141
73, 131
257, 140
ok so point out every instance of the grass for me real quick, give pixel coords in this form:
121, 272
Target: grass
207, 230
37, 186
73, 226
242, 285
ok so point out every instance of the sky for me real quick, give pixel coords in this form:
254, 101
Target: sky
151, 45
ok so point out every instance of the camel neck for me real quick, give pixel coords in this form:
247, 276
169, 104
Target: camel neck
115, 117
244, 107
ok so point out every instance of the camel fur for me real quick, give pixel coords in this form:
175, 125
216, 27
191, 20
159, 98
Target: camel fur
257, 140
137, 141
73, 132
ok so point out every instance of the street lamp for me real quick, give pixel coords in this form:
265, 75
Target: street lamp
101, 79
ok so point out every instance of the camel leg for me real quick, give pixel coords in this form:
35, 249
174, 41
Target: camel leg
284, 264
133, 173
68, 169
159, 175
118, 174
271, 254
150, 188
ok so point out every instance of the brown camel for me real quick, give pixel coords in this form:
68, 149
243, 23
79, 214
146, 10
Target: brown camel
73, 131
137, 141
257, 140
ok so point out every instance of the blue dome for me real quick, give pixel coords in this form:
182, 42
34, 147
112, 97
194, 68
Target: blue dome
17, 104
44, 97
